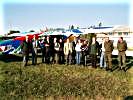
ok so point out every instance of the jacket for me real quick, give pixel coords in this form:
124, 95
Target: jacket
108, 46
67, 48
122, 46
26, 46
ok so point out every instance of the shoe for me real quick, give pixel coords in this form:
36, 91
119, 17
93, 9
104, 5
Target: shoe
124, 69
119, 68
107, 69
111, 70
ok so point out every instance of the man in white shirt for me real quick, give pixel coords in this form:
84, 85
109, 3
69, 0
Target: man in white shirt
34, 50
102, 57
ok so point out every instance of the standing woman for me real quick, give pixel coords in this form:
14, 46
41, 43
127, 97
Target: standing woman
78, 51
68, 51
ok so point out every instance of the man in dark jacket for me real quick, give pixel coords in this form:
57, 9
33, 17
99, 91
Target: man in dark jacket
35, 44
48, 46
43, 49
122, 47
25, 46
61, 52
108, 45
74, 51
93, 51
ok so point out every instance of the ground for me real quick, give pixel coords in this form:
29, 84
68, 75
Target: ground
63, 82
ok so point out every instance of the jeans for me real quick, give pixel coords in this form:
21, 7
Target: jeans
102, 60
78, 57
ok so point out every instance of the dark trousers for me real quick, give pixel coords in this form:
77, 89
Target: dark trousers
69, 58
34, 56
47, 55
83, 57
61, 57
73, 57
93, 60
43, 50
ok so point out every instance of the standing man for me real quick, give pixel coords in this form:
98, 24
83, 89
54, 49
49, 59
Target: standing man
122, 47
102, 57
25, 46
43, 49
74, 51
35, 43
47, 55
61, 52
108, 45
93, 51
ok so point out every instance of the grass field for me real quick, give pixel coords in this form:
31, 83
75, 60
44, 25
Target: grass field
61, 82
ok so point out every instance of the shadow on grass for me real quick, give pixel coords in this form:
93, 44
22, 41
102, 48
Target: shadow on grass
129, 63
128, 98
10, 58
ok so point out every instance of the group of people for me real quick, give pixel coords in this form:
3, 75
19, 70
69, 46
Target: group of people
58, 51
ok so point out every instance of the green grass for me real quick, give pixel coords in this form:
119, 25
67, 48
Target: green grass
60, 81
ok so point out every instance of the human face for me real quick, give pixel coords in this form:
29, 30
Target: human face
34, 37
60, 40
55, 39
26, 38
107, 39
93, 40
67, 40
120, 40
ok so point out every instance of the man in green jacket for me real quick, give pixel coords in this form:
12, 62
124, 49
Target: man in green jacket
93, 52
122, 47
108, 45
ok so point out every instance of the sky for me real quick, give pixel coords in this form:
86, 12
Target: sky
25, 15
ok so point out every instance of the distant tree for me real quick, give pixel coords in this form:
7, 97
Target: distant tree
72, 27
32, 31
100, 24
13, 31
